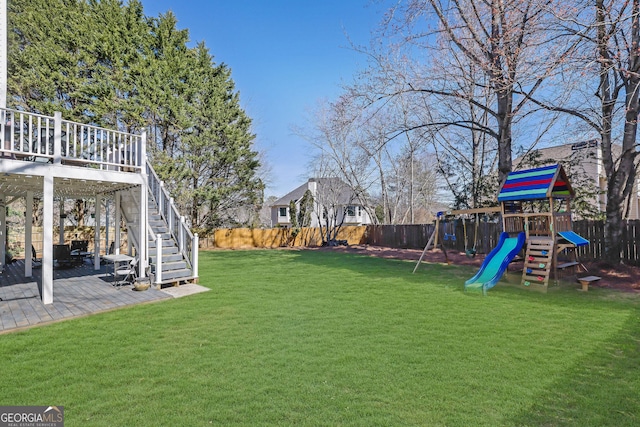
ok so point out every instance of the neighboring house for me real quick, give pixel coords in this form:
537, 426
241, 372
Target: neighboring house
330, 195
584, 158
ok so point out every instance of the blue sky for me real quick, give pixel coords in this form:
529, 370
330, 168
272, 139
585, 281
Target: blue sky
284, 55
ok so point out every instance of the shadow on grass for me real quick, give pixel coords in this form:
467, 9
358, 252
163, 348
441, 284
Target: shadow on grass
600, 390
385, 267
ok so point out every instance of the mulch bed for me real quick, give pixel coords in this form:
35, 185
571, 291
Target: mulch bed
621, 277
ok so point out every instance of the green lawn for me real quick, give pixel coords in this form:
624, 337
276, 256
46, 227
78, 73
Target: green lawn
319, 338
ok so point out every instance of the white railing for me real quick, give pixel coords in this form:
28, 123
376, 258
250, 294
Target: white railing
177, 225
30, 136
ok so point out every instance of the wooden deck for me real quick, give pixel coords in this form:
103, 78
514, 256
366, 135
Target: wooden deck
78, 291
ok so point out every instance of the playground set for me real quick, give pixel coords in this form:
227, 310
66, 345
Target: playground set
535, 205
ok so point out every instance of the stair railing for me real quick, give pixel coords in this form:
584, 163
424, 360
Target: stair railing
178, 227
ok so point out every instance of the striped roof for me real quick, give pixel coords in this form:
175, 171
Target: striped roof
534, 184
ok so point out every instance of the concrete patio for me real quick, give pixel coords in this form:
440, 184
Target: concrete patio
79, 291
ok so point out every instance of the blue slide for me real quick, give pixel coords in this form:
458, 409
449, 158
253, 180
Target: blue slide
496, 263
574, 238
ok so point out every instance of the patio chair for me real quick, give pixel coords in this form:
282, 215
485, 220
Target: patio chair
62, 255
80, 245
79, 251
128, 273
35, 261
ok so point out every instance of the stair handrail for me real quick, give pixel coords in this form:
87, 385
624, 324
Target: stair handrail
176, 223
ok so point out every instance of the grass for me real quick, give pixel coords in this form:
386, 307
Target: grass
319, 338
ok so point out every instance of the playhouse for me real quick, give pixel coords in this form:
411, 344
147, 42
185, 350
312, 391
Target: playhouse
536, 217
538, 203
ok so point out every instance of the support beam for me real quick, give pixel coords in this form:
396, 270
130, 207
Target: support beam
28, 235
57, 137
3, 53
46, 290
194, 254
144, 207
492, 209
159, 259
117, 221
96, 253
142, 238
61, 222
3, 231
106, 228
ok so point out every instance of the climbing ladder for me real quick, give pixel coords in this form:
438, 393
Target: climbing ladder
537, 263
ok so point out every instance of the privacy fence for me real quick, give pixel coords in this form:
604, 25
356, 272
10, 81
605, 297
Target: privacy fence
456, 235
453, 237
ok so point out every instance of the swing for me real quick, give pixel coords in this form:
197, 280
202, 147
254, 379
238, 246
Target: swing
472, 252
452, 227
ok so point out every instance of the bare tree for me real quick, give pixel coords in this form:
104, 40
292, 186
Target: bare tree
357, 144
484, 59
608, 71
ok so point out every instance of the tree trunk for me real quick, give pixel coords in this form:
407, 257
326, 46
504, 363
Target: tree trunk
505, 103
620, 179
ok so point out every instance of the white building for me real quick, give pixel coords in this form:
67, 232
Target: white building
332, 199
586, 157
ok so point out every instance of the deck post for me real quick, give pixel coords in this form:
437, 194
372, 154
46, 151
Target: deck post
61, 222
142, 232
194, 254
47, 240
170, 213
3, 231
106, 227
144, 206
116, 238
3, 53
161, 200
159, 259
96, 256
28, 235
181, 235
57, 138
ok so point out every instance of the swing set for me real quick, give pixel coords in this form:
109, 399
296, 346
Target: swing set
445, 230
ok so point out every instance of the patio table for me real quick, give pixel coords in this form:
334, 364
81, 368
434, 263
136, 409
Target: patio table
116, 259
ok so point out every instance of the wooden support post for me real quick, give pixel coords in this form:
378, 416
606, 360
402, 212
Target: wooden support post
426, 248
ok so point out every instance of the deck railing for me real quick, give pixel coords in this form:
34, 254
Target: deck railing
35, 137
537, 224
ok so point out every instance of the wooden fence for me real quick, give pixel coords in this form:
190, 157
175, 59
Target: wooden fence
416, 237
244, 238
16, 238
393, 236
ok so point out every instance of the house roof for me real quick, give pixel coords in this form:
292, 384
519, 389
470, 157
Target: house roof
330, 189
292, 195
535, 184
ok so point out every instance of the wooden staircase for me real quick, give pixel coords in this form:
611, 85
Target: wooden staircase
537, 263
177, 244
175, 266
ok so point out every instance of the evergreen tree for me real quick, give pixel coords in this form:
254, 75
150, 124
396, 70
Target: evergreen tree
103, 62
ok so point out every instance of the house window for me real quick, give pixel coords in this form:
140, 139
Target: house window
351, 211
283, 212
